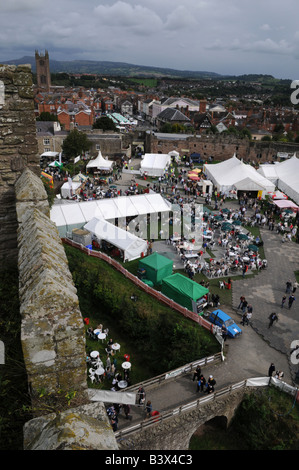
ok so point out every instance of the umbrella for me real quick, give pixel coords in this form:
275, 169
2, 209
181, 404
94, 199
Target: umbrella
253, 247
288, 211
225, 228
218, 217
242, 236
194, 178
237, 222
225, 210
113, 186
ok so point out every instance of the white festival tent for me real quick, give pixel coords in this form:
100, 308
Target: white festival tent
233, 174
100, 163
132, 246
155, 164
73, 214
286, 176
69, 188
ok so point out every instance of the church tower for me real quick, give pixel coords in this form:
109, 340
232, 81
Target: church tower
43, 71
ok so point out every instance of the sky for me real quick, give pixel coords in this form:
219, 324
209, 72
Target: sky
230, 37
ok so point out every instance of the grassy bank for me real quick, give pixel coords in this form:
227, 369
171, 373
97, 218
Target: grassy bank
156, 337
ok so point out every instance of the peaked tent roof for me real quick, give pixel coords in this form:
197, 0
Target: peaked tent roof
227, 174
186, 286
157, 261
131, 245
100, 163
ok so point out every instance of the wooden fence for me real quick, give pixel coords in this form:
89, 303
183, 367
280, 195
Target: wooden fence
149, 290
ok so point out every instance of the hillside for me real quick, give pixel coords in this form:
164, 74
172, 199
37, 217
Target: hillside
112, 68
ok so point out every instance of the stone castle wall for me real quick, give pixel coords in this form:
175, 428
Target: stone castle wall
18, 149
220, 147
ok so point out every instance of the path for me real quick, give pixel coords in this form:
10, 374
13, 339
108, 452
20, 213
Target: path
251, 354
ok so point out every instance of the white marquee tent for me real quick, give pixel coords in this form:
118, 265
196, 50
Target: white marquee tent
69, 188
285, 175
155, 164
234, 174
75, 214
132, 246
100, 163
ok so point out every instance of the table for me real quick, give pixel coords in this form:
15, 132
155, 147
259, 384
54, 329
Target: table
122, 384
115, 346
95, 354
126, 365
100, 371
101, 336
191, 255
97, 331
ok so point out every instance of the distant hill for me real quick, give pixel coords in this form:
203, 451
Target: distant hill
112, 68
123, 69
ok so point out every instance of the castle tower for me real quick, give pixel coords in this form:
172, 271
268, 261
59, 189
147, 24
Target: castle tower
43, 70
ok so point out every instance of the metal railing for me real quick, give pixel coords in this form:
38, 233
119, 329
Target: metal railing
175, 373
180, 410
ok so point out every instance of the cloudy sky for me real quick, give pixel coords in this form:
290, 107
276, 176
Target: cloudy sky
223, 36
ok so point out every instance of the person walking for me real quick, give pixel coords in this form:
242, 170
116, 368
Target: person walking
201, 383
244, 319
149, 409
283, 301
271, 369
127, 411
197, 373
291, 300
288, 286
141, 396
272, 317
295, 285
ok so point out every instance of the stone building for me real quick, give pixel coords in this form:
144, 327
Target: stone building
43, 70
217, 147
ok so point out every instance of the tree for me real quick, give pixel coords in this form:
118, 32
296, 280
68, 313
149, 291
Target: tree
46, 116
75, 144
104, 123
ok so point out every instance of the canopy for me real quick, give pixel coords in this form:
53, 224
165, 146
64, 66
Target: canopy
157, 267
75, 215
183, 290
100, 163
49, 154
155, 164
278, 195
286, 204
285, 175
248, 184
56, 164
69, 188
233, 172
132, 246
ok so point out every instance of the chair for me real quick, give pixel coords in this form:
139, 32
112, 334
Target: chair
92, 378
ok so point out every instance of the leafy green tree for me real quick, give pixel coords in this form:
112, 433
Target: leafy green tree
46, 116
75, 144
105, 123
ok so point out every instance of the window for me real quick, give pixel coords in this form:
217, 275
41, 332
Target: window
46, 141
98, 147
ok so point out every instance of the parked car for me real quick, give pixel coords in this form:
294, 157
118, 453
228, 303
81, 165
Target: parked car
219, 318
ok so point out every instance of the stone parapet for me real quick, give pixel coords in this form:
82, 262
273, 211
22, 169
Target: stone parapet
52, 330
18, 149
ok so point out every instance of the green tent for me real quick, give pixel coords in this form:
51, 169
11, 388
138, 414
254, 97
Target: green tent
156, 267
183, 290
